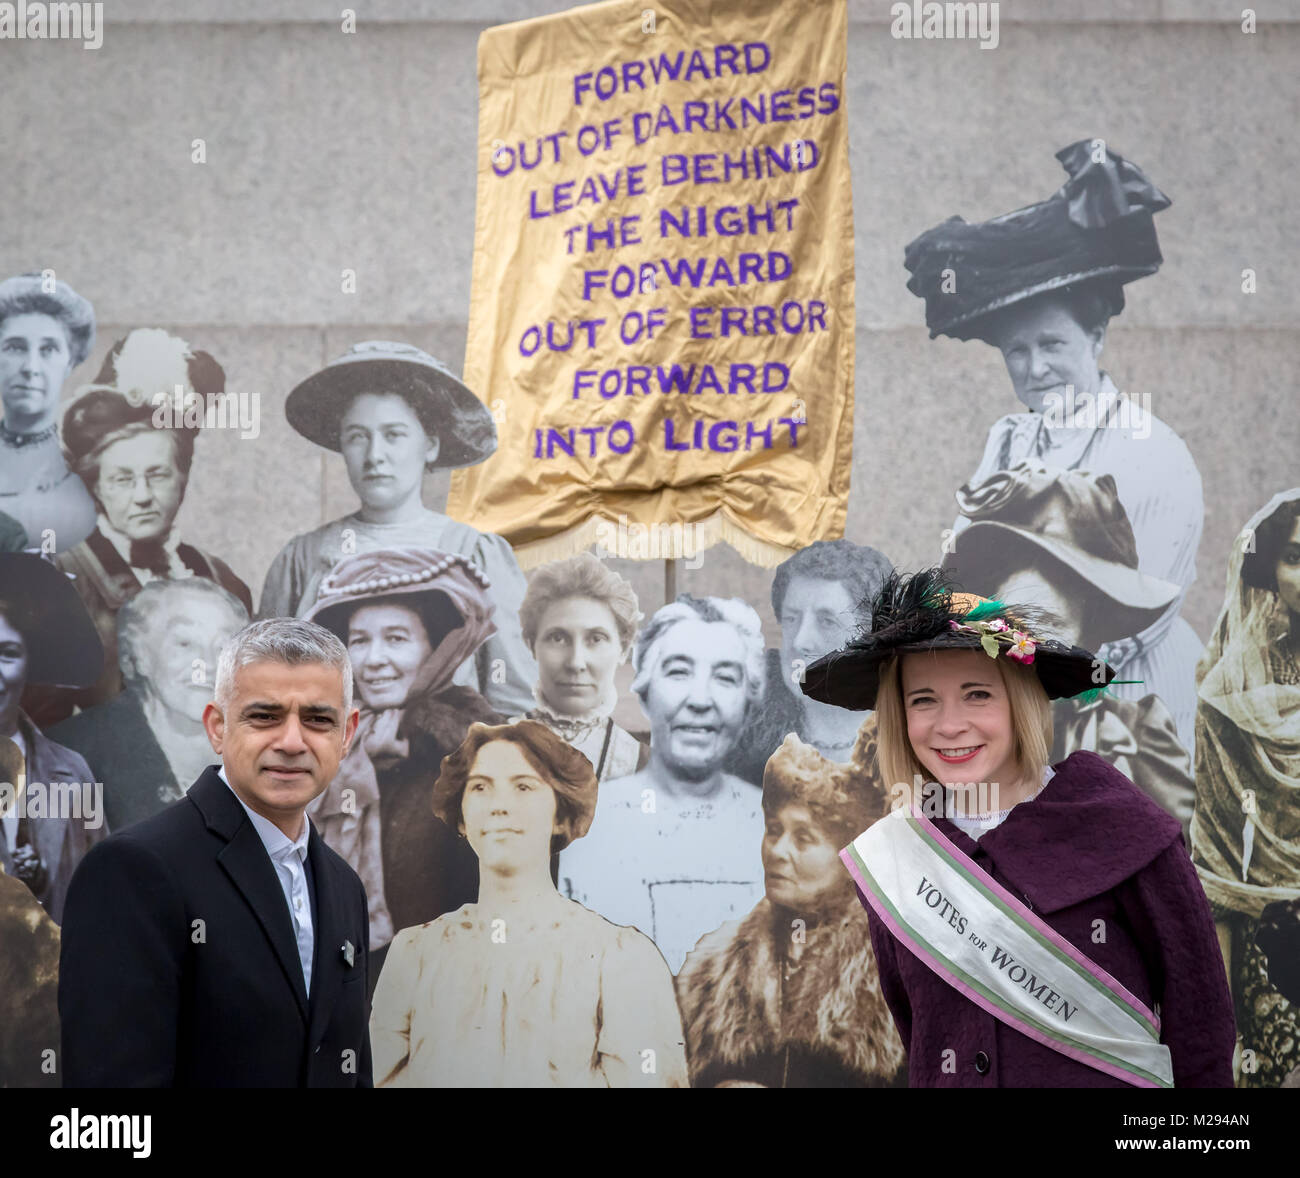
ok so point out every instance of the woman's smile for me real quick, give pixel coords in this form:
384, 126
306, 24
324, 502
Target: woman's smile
957, 756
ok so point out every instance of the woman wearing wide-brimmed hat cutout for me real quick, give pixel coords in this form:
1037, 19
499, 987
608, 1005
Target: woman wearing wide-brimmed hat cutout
395, 412
1041, 284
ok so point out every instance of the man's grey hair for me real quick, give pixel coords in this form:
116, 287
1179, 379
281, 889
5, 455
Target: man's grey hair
281, 640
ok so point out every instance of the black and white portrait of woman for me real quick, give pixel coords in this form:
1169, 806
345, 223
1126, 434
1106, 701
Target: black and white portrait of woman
1041, 286
147, 744
137, 472
579, 618
46, 330
523, 988
394, 412
674, 848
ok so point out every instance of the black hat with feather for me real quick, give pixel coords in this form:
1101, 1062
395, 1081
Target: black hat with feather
923, 611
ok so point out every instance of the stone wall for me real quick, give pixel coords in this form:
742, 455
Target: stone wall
329, 151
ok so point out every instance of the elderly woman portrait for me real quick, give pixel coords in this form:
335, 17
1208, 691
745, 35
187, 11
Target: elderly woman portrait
46, 330
1246, 829
47, 638
674, 847
394, 413
1060, 540
579, 619
789, 996
409, 618
1041, 285
147, 745
522, 988
137, 473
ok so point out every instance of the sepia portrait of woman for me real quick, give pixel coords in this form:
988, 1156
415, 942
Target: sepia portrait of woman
674, 848
523, 988
1246, 827
789, 997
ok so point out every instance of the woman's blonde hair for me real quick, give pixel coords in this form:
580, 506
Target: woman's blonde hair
1031, 726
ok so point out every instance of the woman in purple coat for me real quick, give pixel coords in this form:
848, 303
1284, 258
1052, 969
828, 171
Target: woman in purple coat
1034, 925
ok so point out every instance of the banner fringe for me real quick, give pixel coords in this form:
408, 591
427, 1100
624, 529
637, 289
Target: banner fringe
632, 540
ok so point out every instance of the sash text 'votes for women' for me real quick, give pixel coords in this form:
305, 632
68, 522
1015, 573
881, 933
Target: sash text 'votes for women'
1021, 976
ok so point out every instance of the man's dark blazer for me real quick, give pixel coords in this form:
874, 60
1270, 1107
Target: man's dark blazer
179, 965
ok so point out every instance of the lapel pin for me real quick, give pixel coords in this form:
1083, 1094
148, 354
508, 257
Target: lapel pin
349, 953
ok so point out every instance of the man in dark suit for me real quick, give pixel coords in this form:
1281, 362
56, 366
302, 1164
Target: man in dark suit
221, 943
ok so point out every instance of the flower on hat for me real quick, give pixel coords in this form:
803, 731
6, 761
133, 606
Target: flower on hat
996, 635
1022, 647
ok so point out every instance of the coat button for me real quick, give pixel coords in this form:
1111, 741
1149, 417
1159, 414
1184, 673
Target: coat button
982, 1063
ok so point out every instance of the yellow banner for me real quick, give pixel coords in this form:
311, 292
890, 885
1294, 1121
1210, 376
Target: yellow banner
661, 318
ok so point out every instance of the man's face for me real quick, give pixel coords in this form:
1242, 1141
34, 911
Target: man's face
817, 617
281, 736
181, 648
385, 449
1045, 349
696, 698
34, 362
139, 487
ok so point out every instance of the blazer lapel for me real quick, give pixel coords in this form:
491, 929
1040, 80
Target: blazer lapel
329, 968
245, 860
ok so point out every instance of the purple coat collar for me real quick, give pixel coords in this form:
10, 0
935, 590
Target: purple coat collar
1088, 831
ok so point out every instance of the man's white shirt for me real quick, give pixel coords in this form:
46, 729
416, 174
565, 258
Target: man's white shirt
289, 860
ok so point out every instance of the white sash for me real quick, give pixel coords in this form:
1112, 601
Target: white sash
986, 943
